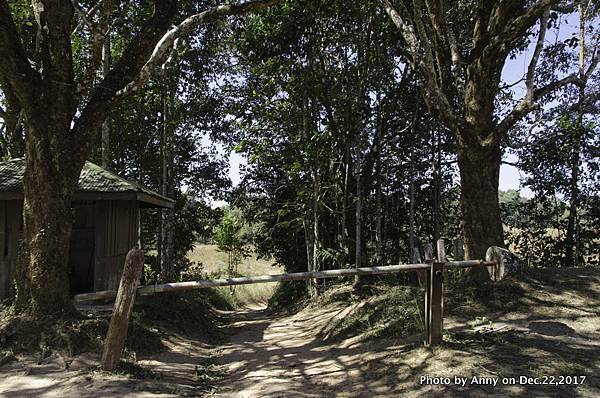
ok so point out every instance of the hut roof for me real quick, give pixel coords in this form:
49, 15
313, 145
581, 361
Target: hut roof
95, 183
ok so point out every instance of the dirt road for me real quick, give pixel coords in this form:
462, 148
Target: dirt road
279, 356
554, 333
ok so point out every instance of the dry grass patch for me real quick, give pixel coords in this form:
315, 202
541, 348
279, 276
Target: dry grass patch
212, 264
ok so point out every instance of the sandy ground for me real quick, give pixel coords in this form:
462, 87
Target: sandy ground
277, 355
181, 370
271, 355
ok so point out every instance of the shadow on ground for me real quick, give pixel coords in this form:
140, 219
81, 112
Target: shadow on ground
551, 330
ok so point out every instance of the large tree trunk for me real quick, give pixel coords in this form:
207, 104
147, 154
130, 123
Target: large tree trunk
43, 277
479, 175
58, 142
52, 170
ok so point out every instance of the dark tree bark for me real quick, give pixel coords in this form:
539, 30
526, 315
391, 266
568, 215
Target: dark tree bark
106, 60
479, 176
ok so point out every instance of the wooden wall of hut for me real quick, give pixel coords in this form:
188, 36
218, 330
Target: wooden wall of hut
116, 225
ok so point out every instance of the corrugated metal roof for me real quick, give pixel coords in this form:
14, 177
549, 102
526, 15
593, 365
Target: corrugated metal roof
93, 178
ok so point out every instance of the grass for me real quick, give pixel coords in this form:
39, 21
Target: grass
376, 311
212, 264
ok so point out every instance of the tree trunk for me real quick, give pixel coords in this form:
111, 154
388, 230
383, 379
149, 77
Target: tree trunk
411, 211
479, 174
378, 200
570, 259
379, 221
436, 185
310, 243
346, 193
358, 252
316, 218
106, 61
167, 215
43, 277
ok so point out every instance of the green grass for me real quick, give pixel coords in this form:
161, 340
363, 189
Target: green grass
212, 264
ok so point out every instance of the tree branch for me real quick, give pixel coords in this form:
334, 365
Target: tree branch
406, 29
566, 8
15, 67
528, 103
525, 106
85, 17
422, 59
139, 61
530, 79
166, 43
56, 60
523, 22
593, 63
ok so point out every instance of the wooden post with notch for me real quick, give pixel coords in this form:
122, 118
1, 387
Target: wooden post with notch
119, 322
435, 297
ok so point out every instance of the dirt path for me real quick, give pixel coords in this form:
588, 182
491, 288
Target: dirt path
556, 334
271, 355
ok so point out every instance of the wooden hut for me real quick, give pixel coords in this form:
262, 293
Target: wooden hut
106, 224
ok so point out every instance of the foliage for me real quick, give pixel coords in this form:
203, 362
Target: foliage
233, 235
322, 105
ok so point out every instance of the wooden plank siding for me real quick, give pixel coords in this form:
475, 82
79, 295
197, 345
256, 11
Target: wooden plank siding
103, 232
116, 233
10, 232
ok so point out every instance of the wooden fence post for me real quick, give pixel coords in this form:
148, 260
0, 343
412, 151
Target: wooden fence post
428, 254
119, 322
436, 304
459, 250
441, 257
441, 251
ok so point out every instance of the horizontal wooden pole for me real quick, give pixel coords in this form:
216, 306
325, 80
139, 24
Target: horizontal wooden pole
469, 264
298, 276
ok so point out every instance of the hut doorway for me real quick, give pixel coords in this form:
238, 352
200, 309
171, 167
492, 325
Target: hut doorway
81, 256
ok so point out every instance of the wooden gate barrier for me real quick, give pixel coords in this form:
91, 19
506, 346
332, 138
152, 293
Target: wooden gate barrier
433, 286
